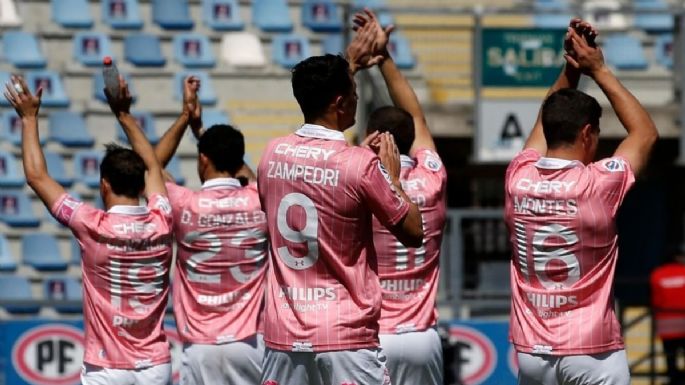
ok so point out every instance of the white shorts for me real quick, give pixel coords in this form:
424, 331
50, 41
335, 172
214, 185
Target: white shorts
610, 368
234, 363
414, 358
154, 375
359, 367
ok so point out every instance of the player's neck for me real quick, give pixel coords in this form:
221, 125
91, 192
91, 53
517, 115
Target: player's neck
566, 153
330, 122
213, 174
120, 200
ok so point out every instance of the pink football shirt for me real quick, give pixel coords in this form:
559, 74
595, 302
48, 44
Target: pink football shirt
319, 195
219, 278
409, 276
125, 260
561, 219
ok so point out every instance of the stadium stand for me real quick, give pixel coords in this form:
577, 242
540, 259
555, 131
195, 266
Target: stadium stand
41, 251
290, 49
72, 13
10, 175
22, 50
69, 129
333, 44
242, 49
222, 15
663, 47
63, 288
651, 21
144, 50
605, 15
551, 13
400, 51
174, 168
146, 121
10, 128
193, 50
172, 14
54, 94
87, 167
625, 52
122, 14
16, 288
4, 78
56, 168
321, 16
272, 16
90, 48
8, 262
207, 96
16, 209
211, 117
8, 14
75, 252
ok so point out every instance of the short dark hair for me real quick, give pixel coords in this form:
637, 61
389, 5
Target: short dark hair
398, 122
224, 146
124, 169
318, 80
565, 113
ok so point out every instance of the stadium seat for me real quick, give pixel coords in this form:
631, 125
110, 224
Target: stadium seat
605, 14
371, 4
7, 260
4, 79
16, 209
272, 15
289, 50
647, 19
41, 251
90, 48
144, 50
625, 52
99, 86
10, 176
398, 46
8, 14
56, 169
206, 95
333, 44
87, 167
663, 50
22, 50
69, 129
75, 249
193, 50
122, 14
72, 13
211, 117
63, 288
222, 15
174, 168
242, 49
16, 288
552, 13
146, 121
321, 16
172, 14
54, 94
385, 19
10, 128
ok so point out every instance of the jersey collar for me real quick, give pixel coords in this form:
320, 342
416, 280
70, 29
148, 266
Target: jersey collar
407, 161
320, 132
231, 183
556, 163
128, 210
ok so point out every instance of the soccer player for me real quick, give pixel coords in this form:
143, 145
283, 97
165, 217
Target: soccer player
218, 287
126, 250
319, 194
409, 276
561, 213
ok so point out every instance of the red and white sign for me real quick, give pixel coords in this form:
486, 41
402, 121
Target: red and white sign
477, 354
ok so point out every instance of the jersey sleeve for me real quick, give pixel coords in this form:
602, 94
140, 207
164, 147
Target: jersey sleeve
177, 194
73, 213
385, 203
524, 158
612, 178
159, 204
430, 163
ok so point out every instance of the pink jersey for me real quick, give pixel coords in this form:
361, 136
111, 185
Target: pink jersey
125, 260
561, 218
319, 195
220, 263
409, 276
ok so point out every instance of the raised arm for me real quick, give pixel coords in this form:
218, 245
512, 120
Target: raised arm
35, 169
191, 112
154, 182
642, 133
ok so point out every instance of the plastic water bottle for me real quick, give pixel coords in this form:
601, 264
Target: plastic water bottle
111, 75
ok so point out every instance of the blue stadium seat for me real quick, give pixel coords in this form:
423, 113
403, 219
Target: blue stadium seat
211, 117
10, 128
4, 79
222, 15
87, 167
146, 121
663, 50
398, 46
624, 52
7, 260
56, 169
172, 14
206, 96
16, 288
75, 249
90, 48
72, 13
289, 50
99, 86
22, 50
333, 44
41, 251
54, 94
69, 129
16, 209
551, 13
651, 21
385, 19
372, 4
63, 288
174, 168
321, 16
122, 14
144, 50
10, 176
271, 15
193, 50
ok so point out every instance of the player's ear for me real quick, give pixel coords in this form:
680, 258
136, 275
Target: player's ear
339, 103
586, 133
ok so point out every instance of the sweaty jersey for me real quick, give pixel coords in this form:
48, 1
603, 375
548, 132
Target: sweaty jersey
668, 290
218, 286
409, 276
561, 219
125, 261
319, 195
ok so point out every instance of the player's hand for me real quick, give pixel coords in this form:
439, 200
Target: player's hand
191, 103
122, 104
381, 35
368, 46
372, 142
19, 96
589, 60
390, 156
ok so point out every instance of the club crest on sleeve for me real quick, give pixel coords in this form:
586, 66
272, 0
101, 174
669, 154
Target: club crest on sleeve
613, 165
432, 162
384, 172
164, 205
